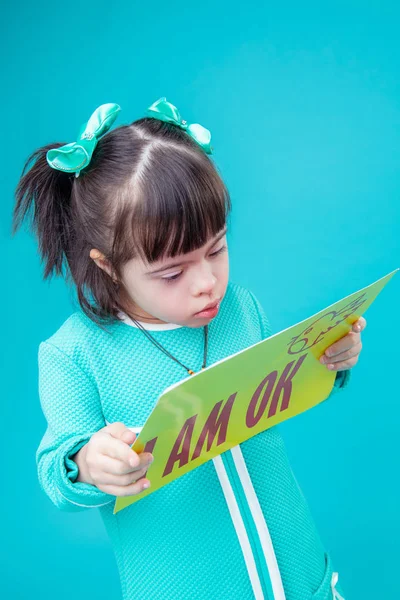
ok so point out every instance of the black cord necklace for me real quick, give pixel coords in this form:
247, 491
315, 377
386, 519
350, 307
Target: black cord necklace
156, 343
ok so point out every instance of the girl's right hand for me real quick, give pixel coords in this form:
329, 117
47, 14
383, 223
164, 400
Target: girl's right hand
108, 462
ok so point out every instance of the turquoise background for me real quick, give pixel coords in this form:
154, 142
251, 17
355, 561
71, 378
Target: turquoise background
303, 103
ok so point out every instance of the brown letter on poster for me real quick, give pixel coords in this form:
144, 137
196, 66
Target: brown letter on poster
253, 415
149, 447
184, 438
215, 423
285, 384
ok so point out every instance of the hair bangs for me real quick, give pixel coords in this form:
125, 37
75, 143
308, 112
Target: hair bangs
177, 211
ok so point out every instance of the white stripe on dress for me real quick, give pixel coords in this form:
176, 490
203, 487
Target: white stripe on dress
239, 527
260, 523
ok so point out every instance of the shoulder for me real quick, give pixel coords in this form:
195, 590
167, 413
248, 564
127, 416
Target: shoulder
242, 297
77, 336
243, 304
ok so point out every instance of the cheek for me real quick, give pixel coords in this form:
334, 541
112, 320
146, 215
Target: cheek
223, 268
168, 302
134, 291
164, 294
140, 291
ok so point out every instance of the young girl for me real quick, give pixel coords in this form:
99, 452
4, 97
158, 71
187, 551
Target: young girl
137, 219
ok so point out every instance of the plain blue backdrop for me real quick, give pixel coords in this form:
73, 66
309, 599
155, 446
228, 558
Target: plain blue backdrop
303, 103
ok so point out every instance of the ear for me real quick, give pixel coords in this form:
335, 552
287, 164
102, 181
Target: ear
101, 261
104, 264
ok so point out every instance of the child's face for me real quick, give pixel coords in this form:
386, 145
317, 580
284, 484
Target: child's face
174, 294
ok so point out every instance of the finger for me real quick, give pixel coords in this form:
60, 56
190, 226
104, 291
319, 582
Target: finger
119, 431
115, 448
359, 325
145, 458
354, 351
128, 436
129, 490
345, 343
118, 467
113, 466
119, 480
343, 365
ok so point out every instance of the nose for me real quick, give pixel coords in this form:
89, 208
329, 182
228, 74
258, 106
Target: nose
204, 281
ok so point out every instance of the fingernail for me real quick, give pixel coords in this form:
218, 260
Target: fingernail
146, 485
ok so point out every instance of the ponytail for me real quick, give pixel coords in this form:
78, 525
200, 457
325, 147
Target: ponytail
48, 193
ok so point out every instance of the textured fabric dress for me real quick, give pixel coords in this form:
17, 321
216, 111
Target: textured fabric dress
237, 526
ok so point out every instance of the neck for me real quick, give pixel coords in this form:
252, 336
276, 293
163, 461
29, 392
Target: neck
148, 326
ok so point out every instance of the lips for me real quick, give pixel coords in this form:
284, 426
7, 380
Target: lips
209, 306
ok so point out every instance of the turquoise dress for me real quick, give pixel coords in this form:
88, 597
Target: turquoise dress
237, 526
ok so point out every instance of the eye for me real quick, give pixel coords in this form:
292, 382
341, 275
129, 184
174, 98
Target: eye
172, 278
218, 251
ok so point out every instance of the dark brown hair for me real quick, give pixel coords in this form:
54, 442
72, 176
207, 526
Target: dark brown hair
150, 191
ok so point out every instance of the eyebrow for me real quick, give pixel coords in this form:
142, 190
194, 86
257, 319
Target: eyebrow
179, 263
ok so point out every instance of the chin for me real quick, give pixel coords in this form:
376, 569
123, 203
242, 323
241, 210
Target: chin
200, 323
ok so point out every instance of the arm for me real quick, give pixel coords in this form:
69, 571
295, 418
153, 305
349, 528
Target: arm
72, 408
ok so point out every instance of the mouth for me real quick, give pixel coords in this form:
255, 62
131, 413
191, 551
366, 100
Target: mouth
209, 309
209, 306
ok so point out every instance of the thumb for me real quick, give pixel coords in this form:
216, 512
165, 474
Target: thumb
121, 432
128, 436
359, 325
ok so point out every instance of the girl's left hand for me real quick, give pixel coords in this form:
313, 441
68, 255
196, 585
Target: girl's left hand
344, 353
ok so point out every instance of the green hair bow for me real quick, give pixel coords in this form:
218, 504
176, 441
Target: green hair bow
75, 156
165, 111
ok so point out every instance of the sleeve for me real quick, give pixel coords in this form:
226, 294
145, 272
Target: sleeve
342, 377
342, 381
72, 408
